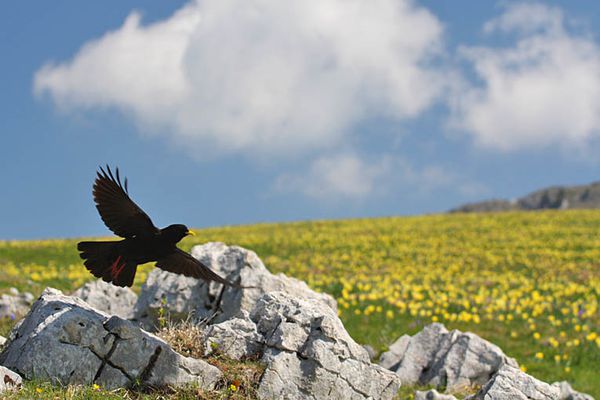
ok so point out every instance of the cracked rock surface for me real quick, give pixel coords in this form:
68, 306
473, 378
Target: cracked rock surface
435, 356
181, 296
108, 298
9, 379
510, 383
66, 341
307, 351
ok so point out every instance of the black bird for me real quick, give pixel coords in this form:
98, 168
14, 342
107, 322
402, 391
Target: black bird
117, 261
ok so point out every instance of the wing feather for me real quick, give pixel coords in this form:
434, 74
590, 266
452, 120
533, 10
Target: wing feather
119, 213
183, 263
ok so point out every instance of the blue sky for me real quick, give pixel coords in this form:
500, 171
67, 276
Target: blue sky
229, 112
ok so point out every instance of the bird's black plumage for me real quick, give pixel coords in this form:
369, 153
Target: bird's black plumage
117, 261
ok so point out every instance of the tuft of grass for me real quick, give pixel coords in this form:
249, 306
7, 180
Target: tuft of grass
240, 377
47, 391
184, 337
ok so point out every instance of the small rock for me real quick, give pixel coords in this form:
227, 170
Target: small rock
432, 395
510, 383
15, 304
181, 297
66, 341
2, 340
567, 392
434, 356
9, 379
106, 297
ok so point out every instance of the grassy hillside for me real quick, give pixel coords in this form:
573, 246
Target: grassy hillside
529, 282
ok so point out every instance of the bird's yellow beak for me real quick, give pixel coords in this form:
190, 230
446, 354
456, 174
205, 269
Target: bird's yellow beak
190, 232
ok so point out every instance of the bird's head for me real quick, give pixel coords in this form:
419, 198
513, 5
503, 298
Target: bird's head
176, 232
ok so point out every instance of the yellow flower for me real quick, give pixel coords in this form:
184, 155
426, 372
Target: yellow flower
39, 390
539, 355
537, 336
233, 388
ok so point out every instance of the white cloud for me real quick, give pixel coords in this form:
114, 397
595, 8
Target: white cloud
544, 90
337, 177
348, 176
258, 75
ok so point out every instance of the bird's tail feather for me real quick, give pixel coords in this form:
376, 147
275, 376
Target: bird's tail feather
104, 261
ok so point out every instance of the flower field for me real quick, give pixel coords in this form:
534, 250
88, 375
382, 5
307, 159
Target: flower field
528, 282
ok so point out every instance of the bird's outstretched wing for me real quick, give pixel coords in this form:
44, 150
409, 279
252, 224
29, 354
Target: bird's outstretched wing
181, 262
119, 213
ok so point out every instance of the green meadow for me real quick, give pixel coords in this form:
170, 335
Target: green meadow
527, 281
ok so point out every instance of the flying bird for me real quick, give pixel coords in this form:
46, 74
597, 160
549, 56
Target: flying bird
117, 261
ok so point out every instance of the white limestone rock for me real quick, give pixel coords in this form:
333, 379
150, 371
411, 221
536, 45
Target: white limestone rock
14, 305
108, 298
66, 341
568, 393
435, 356
510, 383
180, 297
309, 354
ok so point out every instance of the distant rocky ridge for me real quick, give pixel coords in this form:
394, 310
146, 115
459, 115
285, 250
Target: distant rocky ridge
555, 197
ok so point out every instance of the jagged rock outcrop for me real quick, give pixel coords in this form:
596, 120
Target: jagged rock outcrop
66, 341
568, 393
307, 352
9, 380
181, 297
432, 395
556, 197
510, 383
108, 298
15, 304
435, 356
